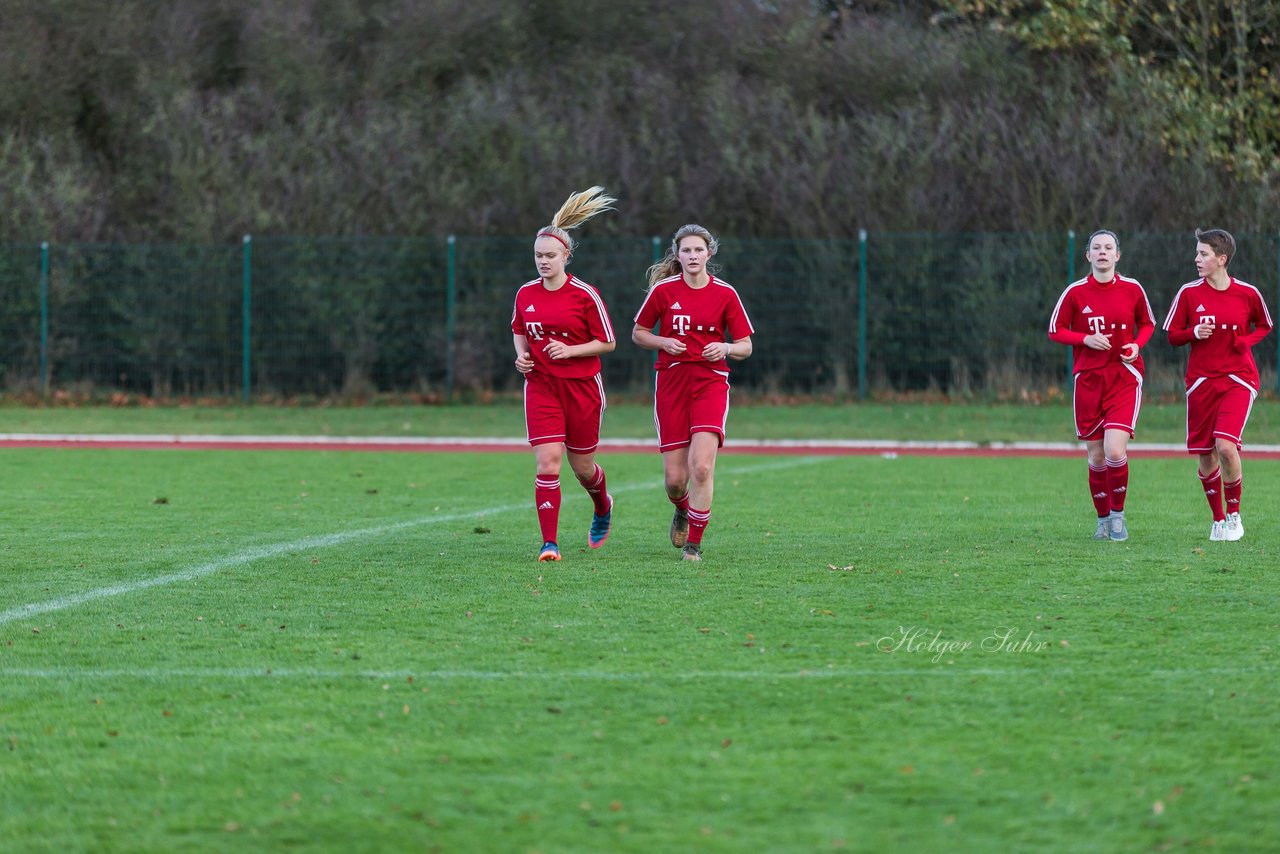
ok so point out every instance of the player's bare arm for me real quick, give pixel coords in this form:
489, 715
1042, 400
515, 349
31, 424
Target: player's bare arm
560, 350
736, 350
524, 359
646, 339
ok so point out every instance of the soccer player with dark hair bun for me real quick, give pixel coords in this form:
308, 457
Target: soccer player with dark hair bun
702, 324
560, 326
1221, 318
1106, 319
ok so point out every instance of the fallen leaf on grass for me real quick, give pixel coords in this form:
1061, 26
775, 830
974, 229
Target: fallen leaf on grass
481, 530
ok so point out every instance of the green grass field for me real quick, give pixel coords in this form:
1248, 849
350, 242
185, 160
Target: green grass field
357, 652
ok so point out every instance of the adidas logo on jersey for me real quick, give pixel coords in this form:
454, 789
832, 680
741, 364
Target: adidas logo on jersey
1086, 310
530, 308
675, 306
1200, 307
546, 505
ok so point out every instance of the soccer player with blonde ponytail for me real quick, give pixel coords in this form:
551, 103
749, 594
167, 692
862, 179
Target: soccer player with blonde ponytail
701, 324
560, 327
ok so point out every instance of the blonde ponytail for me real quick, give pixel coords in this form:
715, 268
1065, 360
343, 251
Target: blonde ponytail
576, 210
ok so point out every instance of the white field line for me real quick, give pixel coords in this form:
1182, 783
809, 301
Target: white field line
323, 541
304, 673
177, 440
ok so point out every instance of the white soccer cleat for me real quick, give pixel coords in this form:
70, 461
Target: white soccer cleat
1235, 528
1116, 529
1102, 533
1218, 532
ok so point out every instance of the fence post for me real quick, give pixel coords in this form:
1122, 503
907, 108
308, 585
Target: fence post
451, 302
246, 322
1071, 277
862, 314
44, 317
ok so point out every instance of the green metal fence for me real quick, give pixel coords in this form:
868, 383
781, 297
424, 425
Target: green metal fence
955, 315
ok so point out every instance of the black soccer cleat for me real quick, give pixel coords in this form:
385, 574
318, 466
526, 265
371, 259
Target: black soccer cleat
680, 528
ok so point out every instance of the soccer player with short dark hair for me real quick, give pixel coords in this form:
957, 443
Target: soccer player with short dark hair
1221, 318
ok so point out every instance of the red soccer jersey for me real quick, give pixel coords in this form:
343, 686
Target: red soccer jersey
1240, 318
711, 314
573, 313
1118, 308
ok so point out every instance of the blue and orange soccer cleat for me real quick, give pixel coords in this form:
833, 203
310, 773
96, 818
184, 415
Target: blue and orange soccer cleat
600, 527
550, 551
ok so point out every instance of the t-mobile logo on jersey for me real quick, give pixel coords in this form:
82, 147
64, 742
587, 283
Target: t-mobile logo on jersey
681, 323
1097, 323
534, 329
1209, 318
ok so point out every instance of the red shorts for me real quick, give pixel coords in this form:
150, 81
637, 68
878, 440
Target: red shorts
1106, 399
1217, 408
564, 410
688, 399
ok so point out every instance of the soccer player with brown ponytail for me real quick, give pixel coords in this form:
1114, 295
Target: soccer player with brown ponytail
701, 325
1106, 319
